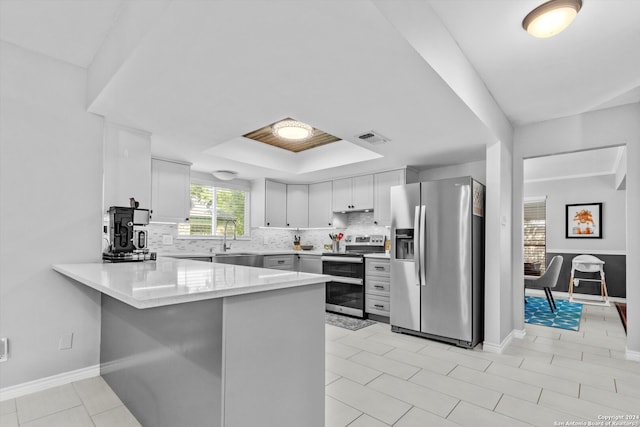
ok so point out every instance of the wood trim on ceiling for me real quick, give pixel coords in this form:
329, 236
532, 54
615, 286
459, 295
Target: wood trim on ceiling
266, 136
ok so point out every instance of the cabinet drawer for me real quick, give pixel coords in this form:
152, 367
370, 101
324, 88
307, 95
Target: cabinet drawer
378, 267
377, 305
377, 286
284, 262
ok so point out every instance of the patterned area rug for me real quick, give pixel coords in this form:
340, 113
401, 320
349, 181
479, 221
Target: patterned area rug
567, 315
347, 322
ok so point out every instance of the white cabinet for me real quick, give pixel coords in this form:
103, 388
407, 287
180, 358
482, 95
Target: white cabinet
342, 194
275, 204
320, 204
362, 192
353, 194
170, 195
280, 262
126, 166
377, 287
297, 205
310, 264
286, 205
382, 183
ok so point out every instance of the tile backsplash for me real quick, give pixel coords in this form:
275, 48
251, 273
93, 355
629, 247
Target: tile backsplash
262, 238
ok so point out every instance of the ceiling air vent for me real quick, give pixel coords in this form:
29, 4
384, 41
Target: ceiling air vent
373, 138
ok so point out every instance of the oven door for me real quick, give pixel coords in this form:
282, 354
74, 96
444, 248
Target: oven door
345, 290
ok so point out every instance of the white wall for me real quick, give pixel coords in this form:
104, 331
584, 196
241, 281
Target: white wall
498, 318
604, 128
593, 189
50, 198
478, 170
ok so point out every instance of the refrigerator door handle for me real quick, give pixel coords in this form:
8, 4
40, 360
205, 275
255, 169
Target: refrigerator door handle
416, 244
423, 239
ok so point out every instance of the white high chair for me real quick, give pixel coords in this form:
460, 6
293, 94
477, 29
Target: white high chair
588, 264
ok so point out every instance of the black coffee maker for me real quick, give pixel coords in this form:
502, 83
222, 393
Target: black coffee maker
127, 235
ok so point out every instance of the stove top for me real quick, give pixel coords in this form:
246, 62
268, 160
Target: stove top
359, 245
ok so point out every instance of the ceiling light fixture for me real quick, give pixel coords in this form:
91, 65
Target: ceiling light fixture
292, 130
551, 18
224, 175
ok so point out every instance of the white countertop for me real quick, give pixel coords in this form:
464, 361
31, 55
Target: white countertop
379, 256
170, 281
254, 252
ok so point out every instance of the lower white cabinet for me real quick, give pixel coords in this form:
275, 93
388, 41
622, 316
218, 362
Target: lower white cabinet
280, 262
377, 305
377, 286
310, 264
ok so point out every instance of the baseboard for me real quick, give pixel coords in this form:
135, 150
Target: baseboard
565, 295
18, 390
632, 355
519, 333
498, 348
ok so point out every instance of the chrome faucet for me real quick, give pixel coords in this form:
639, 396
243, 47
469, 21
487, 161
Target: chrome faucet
224, 240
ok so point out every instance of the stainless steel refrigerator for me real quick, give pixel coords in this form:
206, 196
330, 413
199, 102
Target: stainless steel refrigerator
437, 260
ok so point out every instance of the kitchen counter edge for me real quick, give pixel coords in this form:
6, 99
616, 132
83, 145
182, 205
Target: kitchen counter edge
78, 272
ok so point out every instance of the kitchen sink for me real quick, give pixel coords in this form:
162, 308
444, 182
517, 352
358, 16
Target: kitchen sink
238, 258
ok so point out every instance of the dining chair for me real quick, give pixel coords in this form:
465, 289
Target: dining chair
547, 281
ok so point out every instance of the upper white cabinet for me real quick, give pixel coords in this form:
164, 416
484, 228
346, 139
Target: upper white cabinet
353, 194
342, 194
320, 204
126, 166
382, 183
297, 205
275, 204
170, 195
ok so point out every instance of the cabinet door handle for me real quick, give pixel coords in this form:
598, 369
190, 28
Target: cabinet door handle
280, 261
186, 219
378, 286
268, 224
379, 267
378, 306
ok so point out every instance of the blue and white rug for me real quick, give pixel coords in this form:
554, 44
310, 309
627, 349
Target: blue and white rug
567, 315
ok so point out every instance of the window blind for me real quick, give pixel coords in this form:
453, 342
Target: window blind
535, 239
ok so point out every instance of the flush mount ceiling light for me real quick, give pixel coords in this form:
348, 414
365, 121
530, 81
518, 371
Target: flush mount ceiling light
224, 175
551, 18
292, 130
274, 134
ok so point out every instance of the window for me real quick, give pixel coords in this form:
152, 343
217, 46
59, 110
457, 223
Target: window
535, 240
213, 207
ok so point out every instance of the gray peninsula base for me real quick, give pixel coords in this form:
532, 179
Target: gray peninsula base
247, 360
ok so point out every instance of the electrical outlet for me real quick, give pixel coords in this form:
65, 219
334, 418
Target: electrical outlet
4, 349
66, 341
167, 239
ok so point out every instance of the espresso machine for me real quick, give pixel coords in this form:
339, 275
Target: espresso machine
128, 235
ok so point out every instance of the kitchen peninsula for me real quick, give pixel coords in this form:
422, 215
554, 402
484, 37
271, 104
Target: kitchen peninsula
186, 342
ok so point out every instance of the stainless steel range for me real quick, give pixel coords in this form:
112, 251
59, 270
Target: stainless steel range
345, 292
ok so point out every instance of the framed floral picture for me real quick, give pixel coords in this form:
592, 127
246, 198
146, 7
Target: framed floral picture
584, 221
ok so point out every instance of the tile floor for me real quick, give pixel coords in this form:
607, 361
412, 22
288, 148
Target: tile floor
86, 403
377, 378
